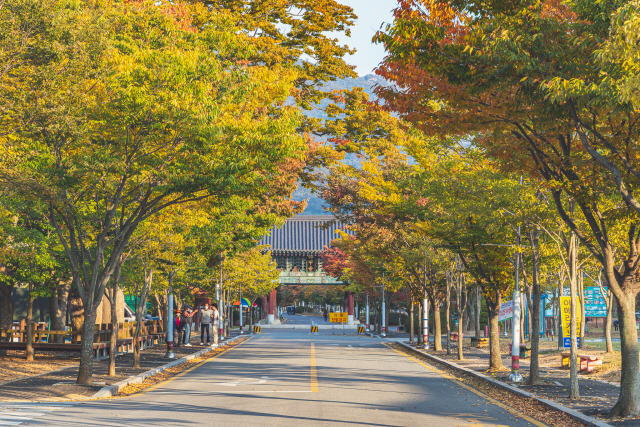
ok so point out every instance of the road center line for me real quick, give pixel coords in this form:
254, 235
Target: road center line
313, 373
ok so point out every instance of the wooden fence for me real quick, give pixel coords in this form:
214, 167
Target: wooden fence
41, 333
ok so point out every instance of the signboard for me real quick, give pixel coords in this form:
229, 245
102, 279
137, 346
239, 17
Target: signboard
506, 311
338, 317
565, 314
594, 303
301, 278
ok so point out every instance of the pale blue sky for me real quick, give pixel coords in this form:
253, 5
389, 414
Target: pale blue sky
371, 14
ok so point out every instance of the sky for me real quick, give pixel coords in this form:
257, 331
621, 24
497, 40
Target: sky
371, 14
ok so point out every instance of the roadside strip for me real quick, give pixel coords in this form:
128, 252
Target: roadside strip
584, 419
473, 390
113, 389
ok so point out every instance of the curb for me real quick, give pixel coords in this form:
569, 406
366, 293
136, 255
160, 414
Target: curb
113, 389
585, 419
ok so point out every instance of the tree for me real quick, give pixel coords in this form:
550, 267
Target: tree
546, 88
163, 123
252, 272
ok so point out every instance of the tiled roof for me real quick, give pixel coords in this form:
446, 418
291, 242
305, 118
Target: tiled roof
303, 234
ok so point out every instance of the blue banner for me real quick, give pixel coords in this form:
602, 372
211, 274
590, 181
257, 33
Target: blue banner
567, 342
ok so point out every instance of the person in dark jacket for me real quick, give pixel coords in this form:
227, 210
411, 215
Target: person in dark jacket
178, 327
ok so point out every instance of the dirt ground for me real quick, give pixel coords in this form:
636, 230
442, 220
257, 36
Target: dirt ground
550, 357
13, 366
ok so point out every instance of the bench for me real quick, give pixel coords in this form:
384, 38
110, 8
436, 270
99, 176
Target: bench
524, 351
589, 363
479, 342
454, 336
100, 349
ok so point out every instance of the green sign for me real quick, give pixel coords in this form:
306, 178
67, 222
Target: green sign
594, 303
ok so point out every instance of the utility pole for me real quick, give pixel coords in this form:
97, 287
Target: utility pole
220, 298
425, 311
170, 354
517, 310
240, 308
384, 329
367, 312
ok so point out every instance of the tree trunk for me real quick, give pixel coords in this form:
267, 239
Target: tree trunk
462, 303
534, 308
448, 318
140, 311
113, 338
6, 311
493, 308
437, 328
559, 320
629, 398
136, 343
58, 303
574, 388
29, 352
478, 310
412, 322
76, 312
607, 327
526, 316
85, 372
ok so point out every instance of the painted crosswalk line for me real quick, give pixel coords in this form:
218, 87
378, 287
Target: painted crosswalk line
27, 413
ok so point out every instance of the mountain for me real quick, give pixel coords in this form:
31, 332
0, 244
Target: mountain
367, 82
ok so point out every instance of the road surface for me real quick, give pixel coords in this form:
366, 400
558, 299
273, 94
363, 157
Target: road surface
289, 378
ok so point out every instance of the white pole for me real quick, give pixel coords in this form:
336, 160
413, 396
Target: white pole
384, 329
367, 313
515, 327
425, 322
170, 354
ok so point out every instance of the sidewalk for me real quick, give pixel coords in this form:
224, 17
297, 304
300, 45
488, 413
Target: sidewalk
597, 397
60, 384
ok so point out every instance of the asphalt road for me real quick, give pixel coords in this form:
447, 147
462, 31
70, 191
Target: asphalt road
289, 378
299, 319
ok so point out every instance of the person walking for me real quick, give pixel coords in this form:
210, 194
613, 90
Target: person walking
615, 324
215, 319
178, 327
188, 322
205, 323
325, 314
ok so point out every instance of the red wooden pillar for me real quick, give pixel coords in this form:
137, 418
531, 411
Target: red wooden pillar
350, 298
265, 307
272, 302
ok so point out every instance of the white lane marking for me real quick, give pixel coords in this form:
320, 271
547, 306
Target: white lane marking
243, 381
19, 413
22, 413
